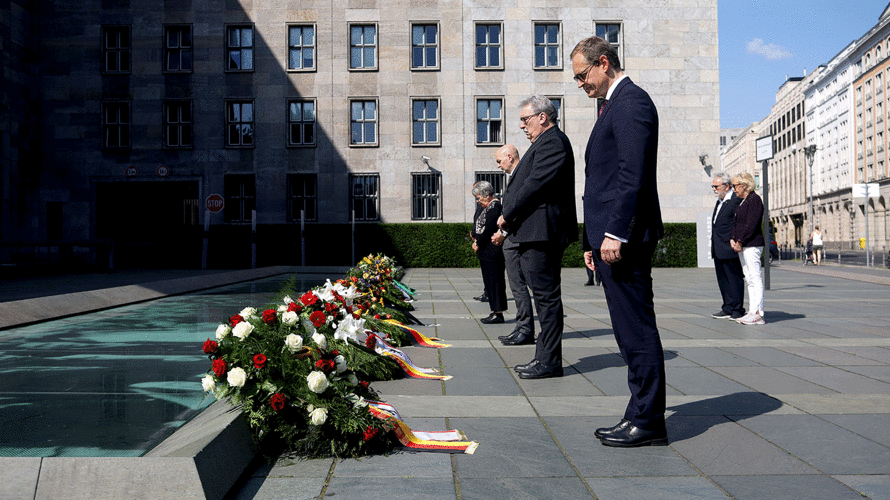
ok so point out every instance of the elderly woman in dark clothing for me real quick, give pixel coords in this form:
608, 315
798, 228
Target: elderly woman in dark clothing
490, 256
747, 240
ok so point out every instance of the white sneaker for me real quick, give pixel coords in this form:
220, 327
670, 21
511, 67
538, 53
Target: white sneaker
751, 319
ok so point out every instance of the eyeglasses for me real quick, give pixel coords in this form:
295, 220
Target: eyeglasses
737, 185
582, 76
524, 119
717, 186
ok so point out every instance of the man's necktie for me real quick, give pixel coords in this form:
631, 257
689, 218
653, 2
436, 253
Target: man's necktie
603, 106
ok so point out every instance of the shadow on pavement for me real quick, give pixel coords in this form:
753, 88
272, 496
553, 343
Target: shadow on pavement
717, 410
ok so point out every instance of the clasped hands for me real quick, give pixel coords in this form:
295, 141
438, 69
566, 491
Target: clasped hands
735, 245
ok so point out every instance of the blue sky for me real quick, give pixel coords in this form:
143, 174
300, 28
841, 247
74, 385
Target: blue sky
762, 41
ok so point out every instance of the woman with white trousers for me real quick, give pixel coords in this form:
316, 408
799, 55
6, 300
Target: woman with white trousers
747, 240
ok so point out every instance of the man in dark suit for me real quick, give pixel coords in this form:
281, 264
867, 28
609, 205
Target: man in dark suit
730, 277
539, 217
622, 221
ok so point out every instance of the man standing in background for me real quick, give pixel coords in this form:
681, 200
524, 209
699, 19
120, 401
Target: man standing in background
727, 265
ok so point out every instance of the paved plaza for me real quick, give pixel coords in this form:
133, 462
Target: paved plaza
797, 408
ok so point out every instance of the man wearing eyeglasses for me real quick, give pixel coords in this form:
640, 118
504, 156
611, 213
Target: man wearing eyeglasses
730, 278
622, 222
539, 217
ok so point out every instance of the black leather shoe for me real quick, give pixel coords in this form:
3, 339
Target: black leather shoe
522, 368
519, 340
513, 335
632, 436
493, 318
608, 431
540, 370
589, 283
481, 298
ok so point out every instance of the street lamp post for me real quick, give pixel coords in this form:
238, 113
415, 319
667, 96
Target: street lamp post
810, 152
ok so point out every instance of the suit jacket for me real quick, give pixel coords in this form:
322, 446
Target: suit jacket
539, 201
620, 191
721, 229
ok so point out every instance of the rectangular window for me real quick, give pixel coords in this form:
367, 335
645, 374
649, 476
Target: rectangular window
302, 197
116, 49
424, 46
301, 47
239, 47
178, 49
363, 46
363, 120
488, 46
496, 179
240, 193
489, 121
116, 125
239, 123
425, 121
365, 196
426, 196
547, 46
611, 32
301, 123
178, 124
557, 103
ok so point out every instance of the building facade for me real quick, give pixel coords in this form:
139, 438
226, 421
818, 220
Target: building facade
152, 115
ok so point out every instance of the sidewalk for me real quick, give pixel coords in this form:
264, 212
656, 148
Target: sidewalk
797, 408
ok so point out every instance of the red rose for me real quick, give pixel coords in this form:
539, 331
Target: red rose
329, 307
270, 316
210, 346
219, 367
308, 298
295, 307
259, 361
325, 365
317, 318
234, 320
277, 401
370, 432
371, 341
364, 384
377, 316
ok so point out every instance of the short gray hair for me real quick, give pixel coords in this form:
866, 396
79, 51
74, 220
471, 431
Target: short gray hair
540, 104
724, 177
483, 188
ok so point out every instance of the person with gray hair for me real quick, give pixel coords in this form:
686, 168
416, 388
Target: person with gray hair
730, 278
491, 256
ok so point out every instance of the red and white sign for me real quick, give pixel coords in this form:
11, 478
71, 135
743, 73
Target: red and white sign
163, 171
215, 203
131, 171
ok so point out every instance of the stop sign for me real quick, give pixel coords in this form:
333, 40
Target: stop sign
215, 203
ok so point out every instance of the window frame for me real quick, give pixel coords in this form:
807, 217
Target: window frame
375, 121
108, 51
620, 43
489, 175
244, 202
350, 46
375, 196
500, 141
229, 123
559, 103
179, 125
437, 45
290, 123
241, 48
293, 214
437, 121
302, 47
558, 44
120, 125
429, 201
189, 49
500, 45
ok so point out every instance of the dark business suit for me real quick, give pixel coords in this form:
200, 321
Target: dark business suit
539, 208
727, 265
621, 198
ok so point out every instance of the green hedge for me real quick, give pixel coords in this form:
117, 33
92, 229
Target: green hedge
448, 245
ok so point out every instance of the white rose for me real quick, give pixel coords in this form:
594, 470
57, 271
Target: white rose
318, 416
236, 377
248, 312
293, 342
288, 300
289, 318
282, 308
242, 330
341, 364
208, 383
320, 339
222, 331
317, 382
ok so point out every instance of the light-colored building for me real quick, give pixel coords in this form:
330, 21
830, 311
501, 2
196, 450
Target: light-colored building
740, 154
727, 135
380, 110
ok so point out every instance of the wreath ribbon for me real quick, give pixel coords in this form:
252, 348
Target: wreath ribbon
447, 441
418, 337
408, 366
